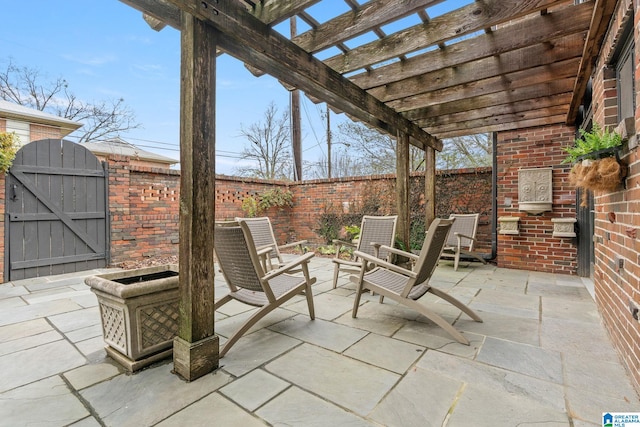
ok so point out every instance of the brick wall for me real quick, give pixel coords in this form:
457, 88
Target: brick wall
617, 214
38, 132
457, 191
144, 210
535, 245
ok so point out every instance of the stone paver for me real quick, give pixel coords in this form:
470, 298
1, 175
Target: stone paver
541, 357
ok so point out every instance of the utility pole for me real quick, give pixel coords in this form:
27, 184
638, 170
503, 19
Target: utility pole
328, 142
296, 133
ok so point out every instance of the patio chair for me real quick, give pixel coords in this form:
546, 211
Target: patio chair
407, 286
462, 238
262, 233
380, 230
249, 283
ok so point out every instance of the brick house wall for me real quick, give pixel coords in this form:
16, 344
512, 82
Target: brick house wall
535, 245
38, 132
617, 214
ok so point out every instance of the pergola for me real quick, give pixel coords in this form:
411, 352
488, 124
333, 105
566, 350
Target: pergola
486, 66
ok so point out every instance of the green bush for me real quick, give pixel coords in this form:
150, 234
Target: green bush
8, 149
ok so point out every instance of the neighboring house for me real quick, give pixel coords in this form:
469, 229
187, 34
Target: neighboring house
33, 125
139, 157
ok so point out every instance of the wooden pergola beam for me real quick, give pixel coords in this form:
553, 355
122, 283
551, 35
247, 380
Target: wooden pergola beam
253, 42
519, 60
360, 21
488, 101
600, 19
508, 82
466, 20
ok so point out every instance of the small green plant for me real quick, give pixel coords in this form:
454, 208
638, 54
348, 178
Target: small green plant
250, 206
8, 149
353, 231
589, 142
275, 197
255, 205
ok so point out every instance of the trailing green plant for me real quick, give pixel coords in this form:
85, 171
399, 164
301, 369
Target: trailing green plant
589, 142
8, 149
250, 206
276, 197
353, 231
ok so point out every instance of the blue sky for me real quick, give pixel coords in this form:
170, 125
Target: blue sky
105, 50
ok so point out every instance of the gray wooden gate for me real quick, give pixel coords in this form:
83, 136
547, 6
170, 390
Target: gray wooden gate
56, 211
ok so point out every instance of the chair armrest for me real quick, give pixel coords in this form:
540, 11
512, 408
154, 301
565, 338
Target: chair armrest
460, 235
395, 251
293, 244
289, 266
365, 257
339, 242
263, 250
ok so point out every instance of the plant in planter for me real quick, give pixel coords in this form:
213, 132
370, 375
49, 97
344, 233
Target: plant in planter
597, 164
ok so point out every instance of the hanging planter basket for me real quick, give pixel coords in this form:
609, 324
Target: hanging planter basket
604, 173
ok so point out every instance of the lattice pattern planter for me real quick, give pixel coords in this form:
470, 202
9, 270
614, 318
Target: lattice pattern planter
139, 310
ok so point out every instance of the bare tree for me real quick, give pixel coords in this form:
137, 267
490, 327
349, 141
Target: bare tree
369, 152
465, 152
28, 87
269, 151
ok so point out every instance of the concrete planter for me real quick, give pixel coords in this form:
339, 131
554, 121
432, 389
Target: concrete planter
139, 310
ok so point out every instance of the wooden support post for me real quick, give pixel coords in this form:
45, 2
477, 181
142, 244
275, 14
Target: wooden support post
195, 349
402, 187
429, 185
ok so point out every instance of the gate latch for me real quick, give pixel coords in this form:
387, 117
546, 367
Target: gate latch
14, 193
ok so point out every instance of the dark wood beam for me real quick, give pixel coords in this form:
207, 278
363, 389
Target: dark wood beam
548, 29
547, 89
533, 76
275, 11
602, 13
556, 102
466, 20
403, 187
196, 348
523, 124
518, 60
553, 113
354, 23
254, 43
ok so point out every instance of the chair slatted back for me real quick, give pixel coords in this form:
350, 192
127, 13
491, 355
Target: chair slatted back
377, 229
234, 258
262, 234
434, 243
466, 224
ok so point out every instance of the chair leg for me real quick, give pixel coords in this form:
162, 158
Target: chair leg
359, 290
263, 311
447, 297
456, 261
435, 318
309, 295
336, 271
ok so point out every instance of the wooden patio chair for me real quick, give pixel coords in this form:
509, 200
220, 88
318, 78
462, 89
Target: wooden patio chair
462, 238
263, 237
407, 286
249, 283
380, 230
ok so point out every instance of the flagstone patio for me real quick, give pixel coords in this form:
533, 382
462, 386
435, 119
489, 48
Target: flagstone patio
541, 357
